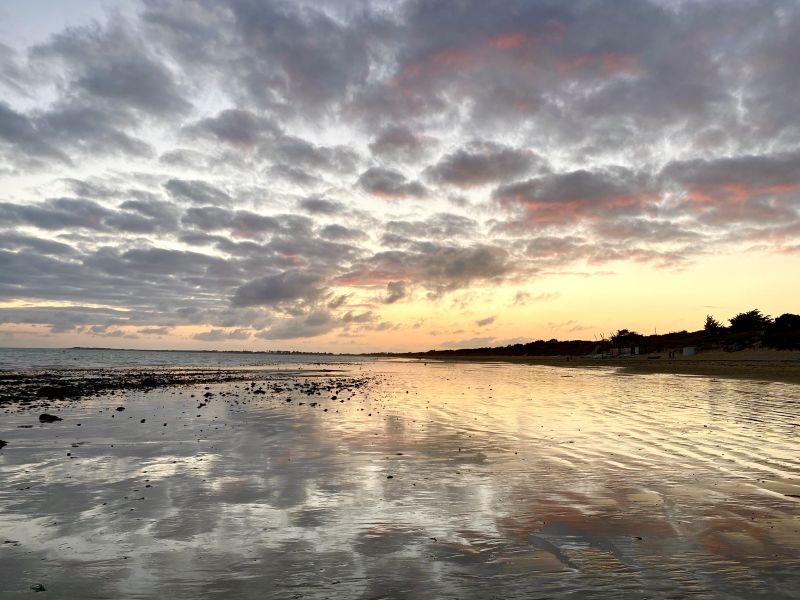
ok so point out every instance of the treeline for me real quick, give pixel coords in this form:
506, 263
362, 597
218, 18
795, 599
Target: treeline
745, 330
753, 327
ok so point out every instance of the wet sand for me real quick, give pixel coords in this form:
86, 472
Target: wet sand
756, 365
400, 479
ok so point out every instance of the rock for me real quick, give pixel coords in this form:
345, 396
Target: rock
3, 443
38, 587
120, 408
45, 418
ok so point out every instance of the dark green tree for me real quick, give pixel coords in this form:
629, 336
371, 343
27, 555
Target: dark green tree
750, 321
712, 326
787, 322
784, 333
625, 336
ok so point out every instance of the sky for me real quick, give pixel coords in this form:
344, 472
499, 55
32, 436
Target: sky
354, 176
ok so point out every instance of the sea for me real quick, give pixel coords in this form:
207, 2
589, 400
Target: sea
99, 358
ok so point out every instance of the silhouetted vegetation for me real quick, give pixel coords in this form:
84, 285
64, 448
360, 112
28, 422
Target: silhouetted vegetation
784, 333
751, 329
750, 321
626, 337
712, 326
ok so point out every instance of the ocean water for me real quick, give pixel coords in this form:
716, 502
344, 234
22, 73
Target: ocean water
434, 480
91, 358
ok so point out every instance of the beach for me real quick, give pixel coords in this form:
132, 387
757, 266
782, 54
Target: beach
403, 479
758, 365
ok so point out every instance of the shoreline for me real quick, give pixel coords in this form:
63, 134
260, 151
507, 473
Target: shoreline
771, 366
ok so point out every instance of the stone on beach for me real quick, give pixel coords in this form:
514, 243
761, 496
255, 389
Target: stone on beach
46, 418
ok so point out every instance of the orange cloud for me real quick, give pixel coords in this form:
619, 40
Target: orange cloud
453, 58
508, 41
736, 192
610, 63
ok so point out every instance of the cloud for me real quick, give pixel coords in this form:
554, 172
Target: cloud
486, 321
395, 291
400, 143
320, 206
566, 197
479, 163
521, 298
237, 127
24, 135
751, 188
218, 335
289, 286
197, 192
10, 240
439, 268
155, 331
217, 164
354, 317
336, 233
112, 65
313, 324
388, 183
439, 226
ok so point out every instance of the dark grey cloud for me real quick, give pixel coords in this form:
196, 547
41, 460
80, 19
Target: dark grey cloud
438, 268
237, 127
395, 291
297, 152
320, 206
64, 319
22, 134
479, 163
197, 192
92, 131
399, 142
753, 189
279, 288
645, 230
358, 318
166, 213
57, 213
339, 233
388, 183
486, 321
313, 324
438, 226
89, 189
242, 222
113, 65
10, 240
568, 198
136, 216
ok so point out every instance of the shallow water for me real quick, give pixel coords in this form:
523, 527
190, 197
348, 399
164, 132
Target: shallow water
507, 481
99, 358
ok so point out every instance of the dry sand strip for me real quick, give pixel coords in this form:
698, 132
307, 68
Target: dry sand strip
755, 365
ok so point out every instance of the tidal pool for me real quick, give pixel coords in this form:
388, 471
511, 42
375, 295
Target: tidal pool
433, 480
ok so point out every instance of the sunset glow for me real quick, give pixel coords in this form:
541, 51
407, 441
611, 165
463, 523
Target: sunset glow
370, 176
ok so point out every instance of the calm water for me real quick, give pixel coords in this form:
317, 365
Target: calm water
507, 481
87, 358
